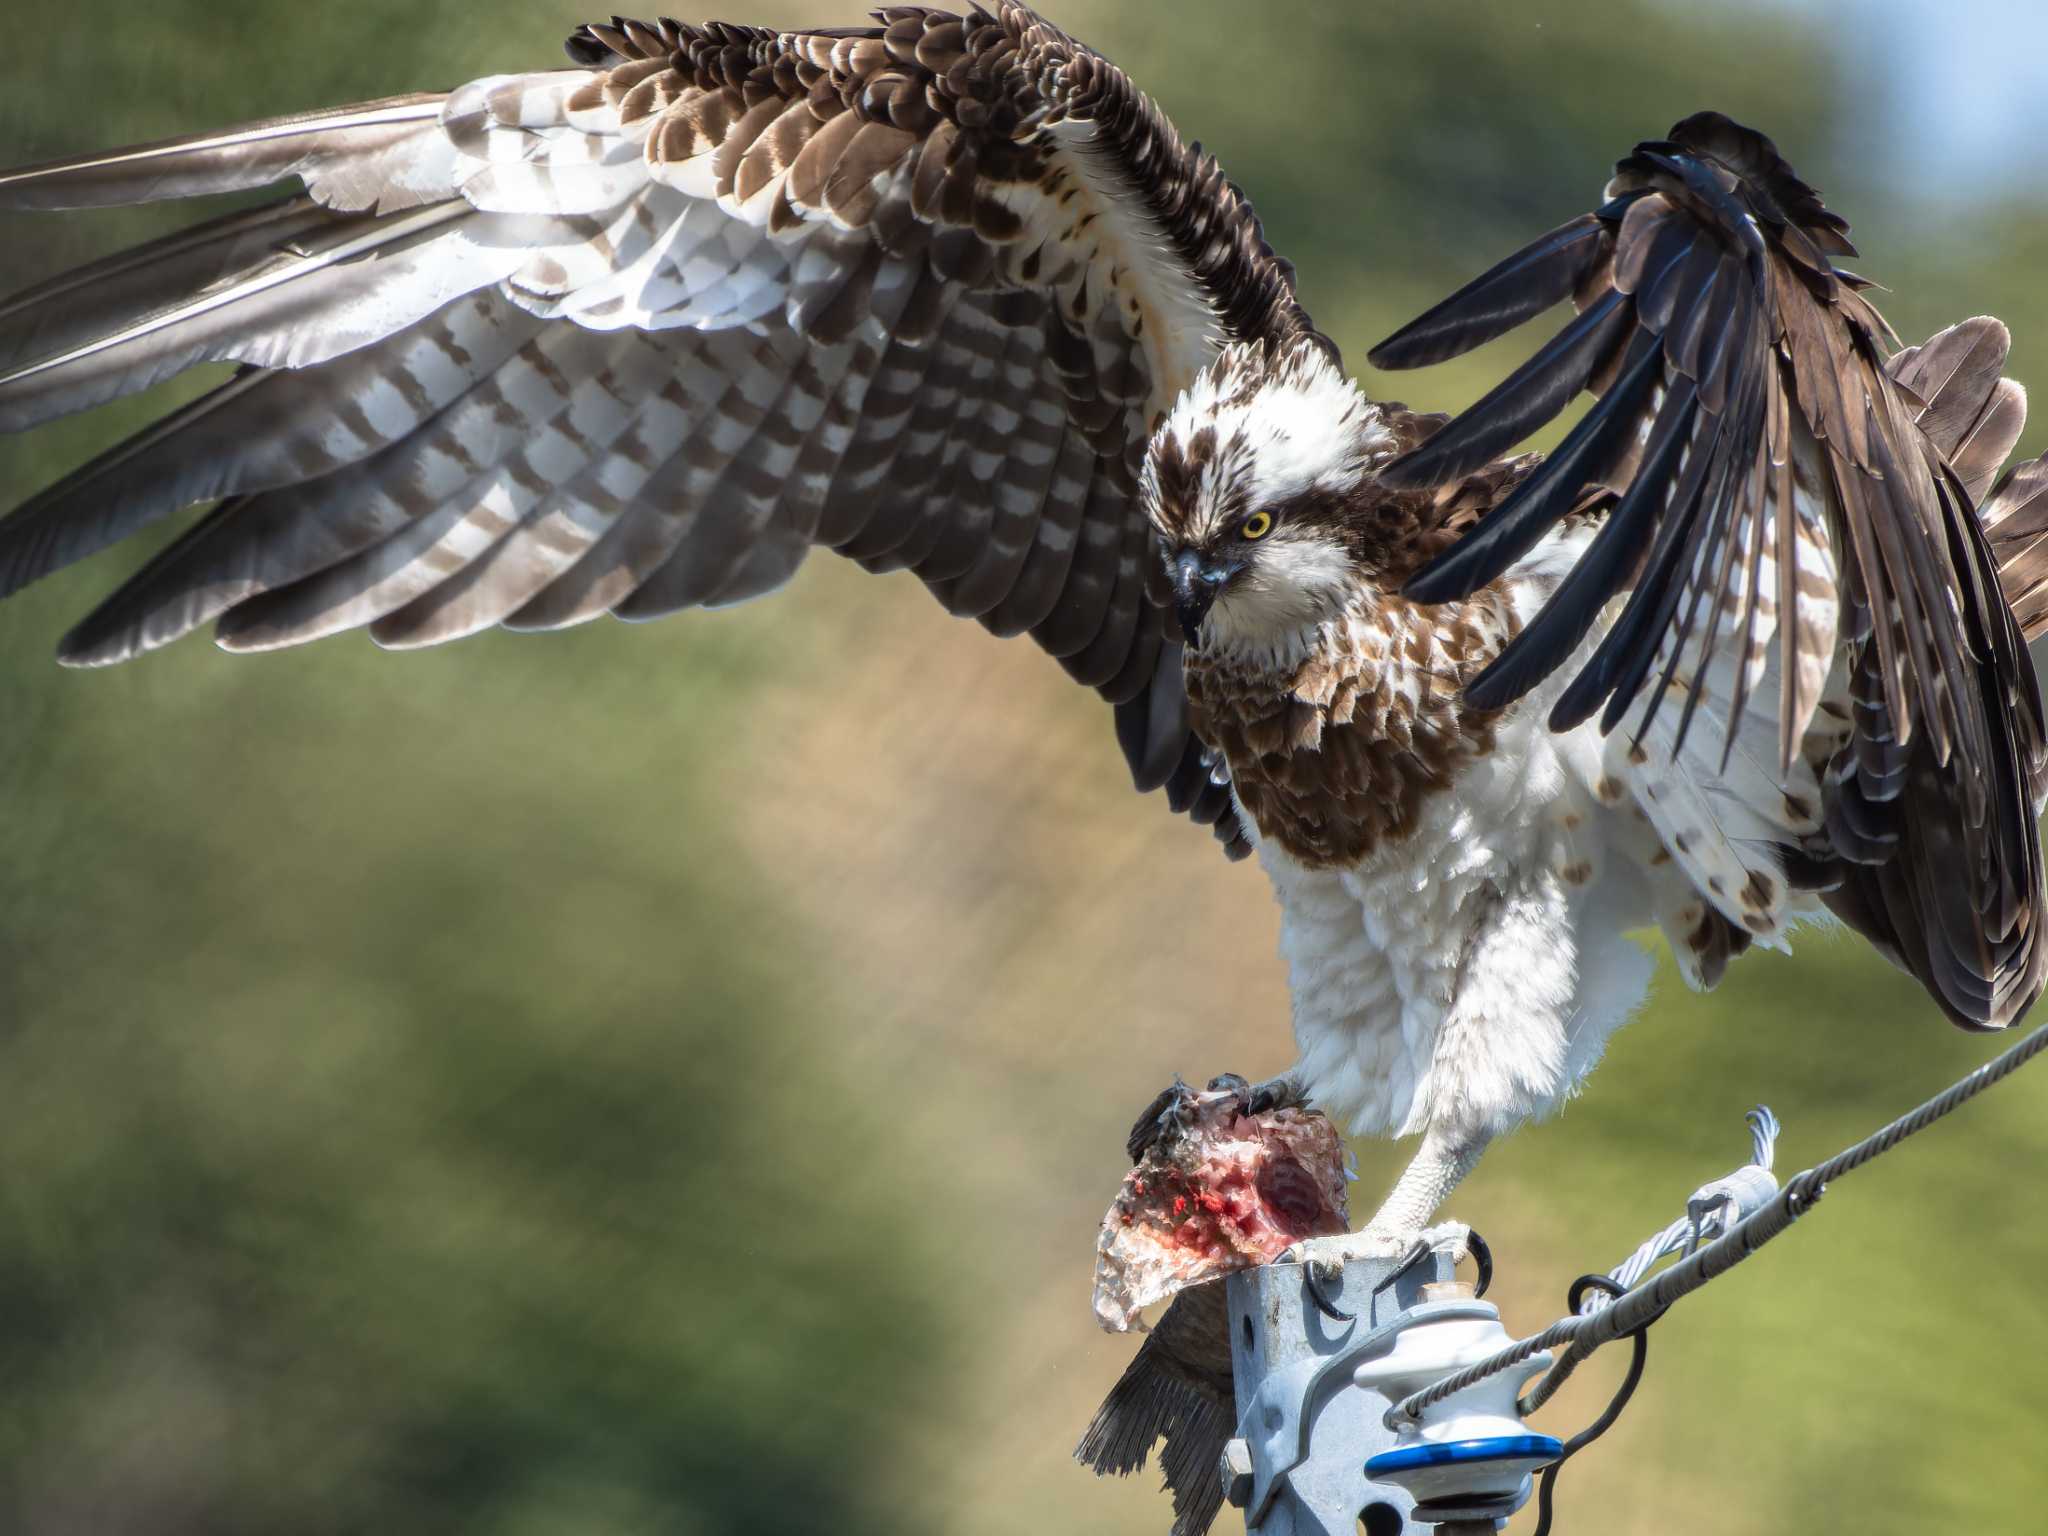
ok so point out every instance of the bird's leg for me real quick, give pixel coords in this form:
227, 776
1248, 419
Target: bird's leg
1402, 1220
1438, 1167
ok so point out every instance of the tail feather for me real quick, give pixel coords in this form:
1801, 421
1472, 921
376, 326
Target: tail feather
1984, 446
1974, 417
1178, 1393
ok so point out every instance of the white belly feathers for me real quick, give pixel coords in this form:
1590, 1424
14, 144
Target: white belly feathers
1469, 975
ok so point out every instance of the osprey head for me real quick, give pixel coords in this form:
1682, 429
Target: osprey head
1249, 483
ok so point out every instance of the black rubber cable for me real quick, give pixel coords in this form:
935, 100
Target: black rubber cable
1547, 1486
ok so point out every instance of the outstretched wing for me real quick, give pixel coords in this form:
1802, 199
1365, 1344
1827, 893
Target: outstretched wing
1769, 479
636, 335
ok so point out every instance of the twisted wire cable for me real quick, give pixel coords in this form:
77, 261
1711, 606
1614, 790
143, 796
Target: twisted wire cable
1713, 1209
1645, 1303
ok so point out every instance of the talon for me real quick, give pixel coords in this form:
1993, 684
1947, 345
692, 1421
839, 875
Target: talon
1262, 1098
1175, 1108
1414, 1256
1276, 1093
1313, 1276
1483, 1257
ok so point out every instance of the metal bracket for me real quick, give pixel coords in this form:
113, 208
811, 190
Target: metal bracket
1305, 1429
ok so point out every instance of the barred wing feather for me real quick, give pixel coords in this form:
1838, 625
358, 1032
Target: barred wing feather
636, 335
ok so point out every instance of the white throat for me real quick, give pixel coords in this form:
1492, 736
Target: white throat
1277, 632
1297, 582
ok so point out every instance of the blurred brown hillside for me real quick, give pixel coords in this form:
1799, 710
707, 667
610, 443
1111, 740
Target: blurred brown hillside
664, 1079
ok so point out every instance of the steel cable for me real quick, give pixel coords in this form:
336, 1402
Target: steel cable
1641, 1305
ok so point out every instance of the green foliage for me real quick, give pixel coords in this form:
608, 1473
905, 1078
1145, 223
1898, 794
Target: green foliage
634, 1082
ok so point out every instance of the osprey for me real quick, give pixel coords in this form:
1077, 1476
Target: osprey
948, 294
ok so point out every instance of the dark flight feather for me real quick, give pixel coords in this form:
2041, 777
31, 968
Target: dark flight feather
1745, 378
1528, 399
1541, 274
1594, 448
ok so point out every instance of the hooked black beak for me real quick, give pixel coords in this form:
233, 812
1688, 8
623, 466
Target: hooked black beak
1195, 586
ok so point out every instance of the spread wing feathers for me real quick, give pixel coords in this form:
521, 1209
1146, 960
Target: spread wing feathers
1722, 812
1957, 396
2016, 520
635, 336
1772, 479
379, 156
1701, 937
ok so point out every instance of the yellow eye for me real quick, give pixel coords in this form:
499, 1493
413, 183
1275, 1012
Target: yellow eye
1257, 526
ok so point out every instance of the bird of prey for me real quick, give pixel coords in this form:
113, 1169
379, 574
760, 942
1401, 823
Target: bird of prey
949, 294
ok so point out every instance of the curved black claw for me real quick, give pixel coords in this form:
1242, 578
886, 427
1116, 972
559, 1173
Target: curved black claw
1312, 1277
1409, 1260
1483, 1257
1172, 1111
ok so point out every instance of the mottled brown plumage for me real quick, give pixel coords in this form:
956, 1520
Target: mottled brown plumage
1333, 750
948, 294
1334, 756
968, 94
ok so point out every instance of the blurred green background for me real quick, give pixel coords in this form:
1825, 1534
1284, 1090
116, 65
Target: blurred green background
666, 1080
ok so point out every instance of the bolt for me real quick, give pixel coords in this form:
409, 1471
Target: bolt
1235, 1470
